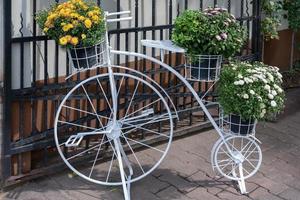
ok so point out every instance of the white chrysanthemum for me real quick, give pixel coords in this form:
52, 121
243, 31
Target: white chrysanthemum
280, 90
270, 96
267, 87
252, 92
274, 92
264, 80
259, 98
242, 82
250, 80
240, 76
271, 78
246, 96
262, 105
236, 82
273, 104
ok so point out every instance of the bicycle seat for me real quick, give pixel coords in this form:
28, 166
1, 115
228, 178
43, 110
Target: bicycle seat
163, 44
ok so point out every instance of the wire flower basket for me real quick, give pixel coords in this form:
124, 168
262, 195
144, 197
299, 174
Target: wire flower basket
235, 125
88, 57
203, 67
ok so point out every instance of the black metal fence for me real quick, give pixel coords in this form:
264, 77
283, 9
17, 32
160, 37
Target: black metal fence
29, 109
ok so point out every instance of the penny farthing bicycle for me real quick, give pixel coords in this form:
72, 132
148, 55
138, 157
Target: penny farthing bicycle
114, 119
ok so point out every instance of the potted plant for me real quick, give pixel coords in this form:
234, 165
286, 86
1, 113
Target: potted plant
249, 92
207, 36
77, 25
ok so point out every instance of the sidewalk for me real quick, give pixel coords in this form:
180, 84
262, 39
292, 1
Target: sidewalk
186, 172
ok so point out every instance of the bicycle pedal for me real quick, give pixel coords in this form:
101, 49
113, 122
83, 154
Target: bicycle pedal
74, 141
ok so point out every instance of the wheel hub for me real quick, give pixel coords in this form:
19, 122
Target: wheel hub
114, 130
237, 157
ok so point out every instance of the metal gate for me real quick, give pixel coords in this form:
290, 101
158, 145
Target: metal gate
29, 107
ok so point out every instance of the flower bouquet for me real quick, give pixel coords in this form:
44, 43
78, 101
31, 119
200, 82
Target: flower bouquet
207, 36
79, 26
249, 92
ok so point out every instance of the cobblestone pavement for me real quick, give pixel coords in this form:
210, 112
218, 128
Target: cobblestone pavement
186, 173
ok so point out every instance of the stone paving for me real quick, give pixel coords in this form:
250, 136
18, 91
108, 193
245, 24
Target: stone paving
186, 172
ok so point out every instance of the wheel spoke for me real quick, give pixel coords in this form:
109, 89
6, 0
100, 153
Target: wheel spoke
233, 169
246, 170
133, 96
96, 156
120, 86
225, 165
250, 163
91, 148
133, 153
145, 129
125, 117
104, 93
84, 111
110, 166
146, 145
78, 125
225, 152
158, 119
91, 103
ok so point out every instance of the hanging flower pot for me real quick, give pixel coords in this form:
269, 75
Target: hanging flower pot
78, 26
203, 67
241, 126
88, 57
236, 124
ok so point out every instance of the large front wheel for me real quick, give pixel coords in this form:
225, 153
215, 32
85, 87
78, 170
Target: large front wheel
86, 134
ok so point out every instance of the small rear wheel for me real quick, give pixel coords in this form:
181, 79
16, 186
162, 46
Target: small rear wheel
244, 154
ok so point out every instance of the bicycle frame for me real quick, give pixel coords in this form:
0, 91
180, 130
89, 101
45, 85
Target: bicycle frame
120, 154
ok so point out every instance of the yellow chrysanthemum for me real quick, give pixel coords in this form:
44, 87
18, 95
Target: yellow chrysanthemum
45, 30
48, 24
59, 7
81, 18
68, 37
63, 41
67, 27
75, 22
90, 13
74, 41
88, 23
95, 18
83, 36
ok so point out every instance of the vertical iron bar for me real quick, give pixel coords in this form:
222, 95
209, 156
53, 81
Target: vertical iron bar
6, 135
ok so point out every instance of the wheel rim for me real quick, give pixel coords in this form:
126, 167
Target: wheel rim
130, 122
246, 154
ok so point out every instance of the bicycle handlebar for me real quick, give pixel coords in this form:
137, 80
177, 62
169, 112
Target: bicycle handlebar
118, 14
119, 19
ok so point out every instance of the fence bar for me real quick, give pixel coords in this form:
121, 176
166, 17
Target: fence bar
6, 134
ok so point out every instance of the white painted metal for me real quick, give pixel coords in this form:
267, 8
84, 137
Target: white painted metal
110, 128
113, 131
246, 156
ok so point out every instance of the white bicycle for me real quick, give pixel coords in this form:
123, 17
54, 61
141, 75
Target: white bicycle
118, 111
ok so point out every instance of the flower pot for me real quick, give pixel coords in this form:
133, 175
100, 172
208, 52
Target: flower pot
241, 126
203, 71
88, 57
203, 67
